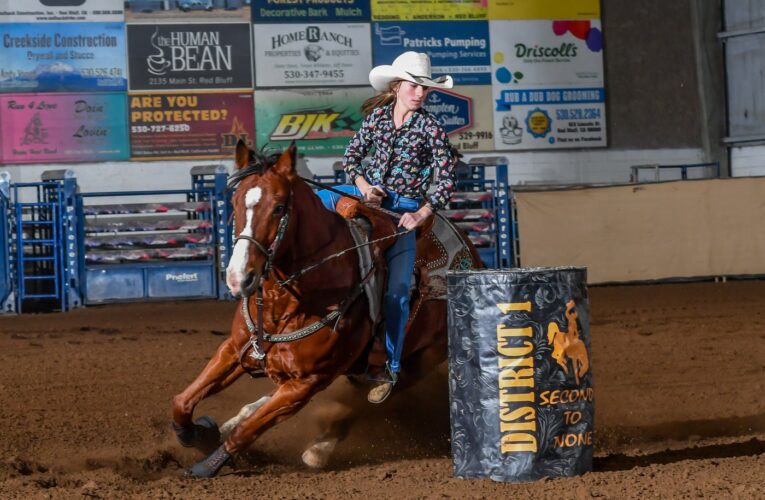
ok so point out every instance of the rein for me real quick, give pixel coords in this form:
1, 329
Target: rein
391, 213
259, 335
326, 259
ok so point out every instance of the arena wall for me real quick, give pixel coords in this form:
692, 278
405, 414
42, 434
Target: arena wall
652, 99
586, 166
642, 232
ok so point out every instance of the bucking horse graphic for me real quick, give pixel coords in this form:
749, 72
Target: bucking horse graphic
567, 344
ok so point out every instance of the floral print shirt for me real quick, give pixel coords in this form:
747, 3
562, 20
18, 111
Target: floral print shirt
404, 160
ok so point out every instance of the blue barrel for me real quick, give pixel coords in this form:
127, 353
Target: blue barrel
520, 377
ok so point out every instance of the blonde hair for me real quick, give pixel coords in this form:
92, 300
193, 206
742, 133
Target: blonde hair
381, 99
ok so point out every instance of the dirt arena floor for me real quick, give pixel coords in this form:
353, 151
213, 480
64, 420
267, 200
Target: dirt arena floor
85, 402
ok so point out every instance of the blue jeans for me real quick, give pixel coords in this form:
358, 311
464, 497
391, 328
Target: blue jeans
400, 258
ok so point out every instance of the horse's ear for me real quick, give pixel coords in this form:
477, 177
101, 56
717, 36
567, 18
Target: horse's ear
243, 154
285, 165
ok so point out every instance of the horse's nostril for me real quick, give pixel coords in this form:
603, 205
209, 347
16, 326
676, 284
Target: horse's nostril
248, 284
247, 281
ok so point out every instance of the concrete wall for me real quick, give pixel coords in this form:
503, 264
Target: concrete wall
651, 86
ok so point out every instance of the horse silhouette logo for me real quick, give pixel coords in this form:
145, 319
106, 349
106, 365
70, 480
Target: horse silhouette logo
567, 344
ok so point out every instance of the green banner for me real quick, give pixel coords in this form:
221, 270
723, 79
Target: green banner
321, 122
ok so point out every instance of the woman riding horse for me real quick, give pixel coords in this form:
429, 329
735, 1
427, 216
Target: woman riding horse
411, 147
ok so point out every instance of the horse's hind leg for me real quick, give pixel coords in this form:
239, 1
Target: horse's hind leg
221, 371
245, 412
341, 413
338, 416
335, 419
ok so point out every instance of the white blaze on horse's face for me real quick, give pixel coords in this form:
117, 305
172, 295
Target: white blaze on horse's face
238, 263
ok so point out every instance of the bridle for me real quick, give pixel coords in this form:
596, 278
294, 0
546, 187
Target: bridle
271, 251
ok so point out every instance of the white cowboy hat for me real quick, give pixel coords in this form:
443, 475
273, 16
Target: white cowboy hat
410, 66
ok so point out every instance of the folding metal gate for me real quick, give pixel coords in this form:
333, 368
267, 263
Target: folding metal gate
44, 242
7, 298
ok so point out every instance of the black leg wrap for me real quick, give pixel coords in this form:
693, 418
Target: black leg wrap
210, 466
202, 434
185, 434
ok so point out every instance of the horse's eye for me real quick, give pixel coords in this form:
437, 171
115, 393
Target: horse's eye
279, 210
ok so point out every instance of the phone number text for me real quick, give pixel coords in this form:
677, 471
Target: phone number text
309, 74
145, 129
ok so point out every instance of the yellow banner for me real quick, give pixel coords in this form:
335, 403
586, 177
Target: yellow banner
544, 9
429, 10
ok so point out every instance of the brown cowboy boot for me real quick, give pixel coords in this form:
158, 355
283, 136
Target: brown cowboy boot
383, 387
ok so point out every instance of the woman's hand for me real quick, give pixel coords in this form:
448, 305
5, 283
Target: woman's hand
415, 219
374, 195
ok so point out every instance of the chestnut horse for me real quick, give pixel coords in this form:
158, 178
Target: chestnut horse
282, 229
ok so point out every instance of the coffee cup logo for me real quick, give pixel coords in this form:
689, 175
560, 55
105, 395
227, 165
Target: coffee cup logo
157, 63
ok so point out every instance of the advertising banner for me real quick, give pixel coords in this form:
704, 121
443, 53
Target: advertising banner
189, 56
270, 11
40, 128
60, 11
460, 49
466, 114
520, 373
65, 57
548, 87
184, 11
428, 10
322, 122
296, 55
201, 125
544, 9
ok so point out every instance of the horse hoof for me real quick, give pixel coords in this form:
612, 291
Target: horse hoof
210, 466
185, 435
317, 455
202, 434
207, 433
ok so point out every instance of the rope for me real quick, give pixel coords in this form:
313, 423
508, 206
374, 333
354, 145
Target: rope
326, 259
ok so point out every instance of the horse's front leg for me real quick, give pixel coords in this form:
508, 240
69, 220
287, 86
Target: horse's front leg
221, 371
288, 398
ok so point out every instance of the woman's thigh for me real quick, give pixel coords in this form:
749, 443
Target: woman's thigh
330, 198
